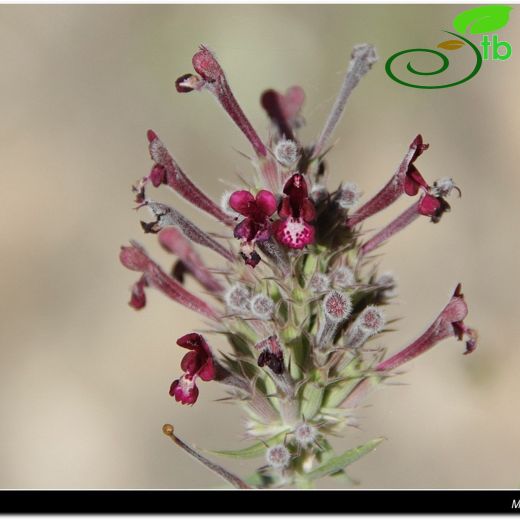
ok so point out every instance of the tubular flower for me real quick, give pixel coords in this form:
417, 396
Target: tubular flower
287, 285
198, 362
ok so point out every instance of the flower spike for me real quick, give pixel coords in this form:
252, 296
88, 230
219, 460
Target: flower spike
305, 329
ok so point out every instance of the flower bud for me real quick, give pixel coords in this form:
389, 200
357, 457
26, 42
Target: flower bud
389, 284
369, 322
237, 298
278, 456
319, 283
305, 434
371, 319
337, 306
318, 193
343, 277
348, 195
286, 152
262, 307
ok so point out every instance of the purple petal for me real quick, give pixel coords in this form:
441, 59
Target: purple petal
294, 233
241, 201
266, 202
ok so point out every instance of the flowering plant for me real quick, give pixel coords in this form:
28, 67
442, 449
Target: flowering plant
298, 299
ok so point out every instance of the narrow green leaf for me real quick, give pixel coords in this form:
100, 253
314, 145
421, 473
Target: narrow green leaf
255, 450
312, 398
341, 461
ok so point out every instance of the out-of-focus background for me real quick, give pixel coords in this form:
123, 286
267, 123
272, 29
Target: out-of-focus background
84, 379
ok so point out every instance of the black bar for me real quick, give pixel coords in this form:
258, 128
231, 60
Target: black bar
258, 501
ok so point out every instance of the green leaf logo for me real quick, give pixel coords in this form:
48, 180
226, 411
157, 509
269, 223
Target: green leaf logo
482, 19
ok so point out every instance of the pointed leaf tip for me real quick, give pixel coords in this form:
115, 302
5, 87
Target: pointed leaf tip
340, 462
255, 450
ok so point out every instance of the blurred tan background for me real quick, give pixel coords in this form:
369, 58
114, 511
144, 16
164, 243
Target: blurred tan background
84, 379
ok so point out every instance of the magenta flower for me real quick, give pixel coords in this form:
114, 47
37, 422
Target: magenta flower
196, 363
138, 295
296, 211
257, 210
256, 227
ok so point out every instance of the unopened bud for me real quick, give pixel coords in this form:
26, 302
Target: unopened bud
343, 277
286, 152
305, 434
262, 307
372, 319
318, 193
348, 195
319, 283
369, 322
278, 456
388, 283
237, 297
337, 306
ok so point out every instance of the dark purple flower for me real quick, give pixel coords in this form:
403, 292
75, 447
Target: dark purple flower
296, 210
256, 227
284, 109
196, 363
257, 210
271, 355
